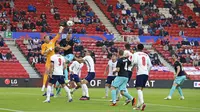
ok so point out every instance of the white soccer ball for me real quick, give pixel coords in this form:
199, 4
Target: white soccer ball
70, 23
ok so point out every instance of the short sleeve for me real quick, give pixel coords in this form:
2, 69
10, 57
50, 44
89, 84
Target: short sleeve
149, 61
71, 43
85, 58
134, 58
119, 63
52, 58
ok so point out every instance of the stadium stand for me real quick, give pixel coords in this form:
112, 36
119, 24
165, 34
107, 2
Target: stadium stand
9, 65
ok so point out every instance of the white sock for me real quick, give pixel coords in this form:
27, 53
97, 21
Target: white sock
86, 89
107, 90
52, 89
68, 92
138, 102
140, 96
48, 92
83, 90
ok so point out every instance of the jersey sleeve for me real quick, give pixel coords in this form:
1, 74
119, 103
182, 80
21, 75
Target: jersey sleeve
85, 58
52, 59
119, 62
55, 38
71, 43
149, 62
71, 66
134, 58
43, 48
81, 65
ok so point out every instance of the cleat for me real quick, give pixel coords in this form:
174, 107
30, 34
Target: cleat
136, 108
70, 100
82, 98
143, 107
182, 98
168, 98
44, 94
46, 101
113, 104
127, 102
52, 95
112, 101
134, 102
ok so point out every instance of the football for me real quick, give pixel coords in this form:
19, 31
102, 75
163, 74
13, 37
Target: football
70, 23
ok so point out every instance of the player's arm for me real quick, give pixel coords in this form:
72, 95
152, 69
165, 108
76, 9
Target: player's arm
44, 51
70, 68
58, 34
80, 60
149, 64
178, 71
106, 70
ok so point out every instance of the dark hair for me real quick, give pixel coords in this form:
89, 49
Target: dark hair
57, 50
121, 52
127, 46
140, 47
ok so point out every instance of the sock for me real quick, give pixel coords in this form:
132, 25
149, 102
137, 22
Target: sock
68, 92
180, 91
106, 89
86, 90
48, 92
140, 96
117, 93
52, 88
172, 90
138, 102
66, 74
45, 77
83, 90
127, 95
58, 89
114, 95
127, 92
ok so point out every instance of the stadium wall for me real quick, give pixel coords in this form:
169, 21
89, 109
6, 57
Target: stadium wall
97, 83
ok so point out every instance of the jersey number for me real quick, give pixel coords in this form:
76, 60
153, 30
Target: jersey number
59, 60
143, 61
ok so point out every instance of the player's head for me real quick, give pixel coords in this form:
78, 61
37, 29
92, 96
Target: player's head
68, 38
46, 39
114, 57
127, 46
175, 56
121, 53
57, 50
140, 47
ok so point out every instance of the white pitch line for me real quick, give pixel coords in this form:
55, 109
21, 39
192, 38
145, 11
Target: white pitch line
108, 101
11, 110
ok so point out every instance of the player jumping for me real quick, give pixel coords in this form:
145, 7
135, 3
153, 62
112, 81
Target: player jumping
143, 63
121, 80
75, 69
48, 51
180, 77
110, 67
89, 61
56, 74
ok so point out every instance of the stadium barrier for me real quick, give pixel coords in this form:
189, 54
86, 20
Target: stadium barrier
97, 83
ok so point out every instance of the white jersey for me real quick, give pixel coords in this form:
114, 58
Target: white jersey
127, 53
111, 66
142, 62
75, 67
59, 62
90, 63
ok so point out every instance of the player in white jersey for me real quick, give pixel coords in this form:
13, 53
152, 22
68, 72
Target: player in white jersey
89, 61
143, 63
75, 71
112, 63
56, 74
127, 53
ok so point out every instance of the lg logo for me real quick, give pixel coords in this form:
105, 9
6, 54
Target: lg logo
10, 81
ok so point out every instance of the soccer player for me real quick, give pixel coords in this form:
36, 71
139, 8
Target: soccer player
89, 61
48, 51
110, 67
75, 70
180, 77
143, 63
67, 45
121, 80
56, 74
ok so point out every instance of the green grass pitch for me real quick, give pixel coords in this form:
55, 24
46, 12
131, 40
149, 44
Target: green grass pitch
30, 100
